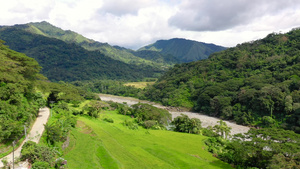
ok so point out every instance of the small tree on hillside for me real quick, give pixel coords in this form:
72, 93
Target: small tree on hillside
223, 129
184, 124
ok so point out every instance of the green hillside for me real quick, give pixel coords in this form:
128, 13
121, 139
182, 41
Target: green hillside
184, 50
112, 145
117, 53
19, 101
70, 62
255, 83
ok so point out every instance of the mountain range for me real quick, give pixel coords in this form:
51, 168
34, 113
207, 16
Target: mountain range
183, 49
67, 55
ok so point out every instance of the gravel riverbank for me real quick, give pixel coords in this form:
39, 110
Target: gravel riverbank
206, 120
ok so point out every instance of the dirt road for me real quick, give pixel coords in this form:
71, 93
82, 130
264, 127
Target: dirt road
206, 120
34, 134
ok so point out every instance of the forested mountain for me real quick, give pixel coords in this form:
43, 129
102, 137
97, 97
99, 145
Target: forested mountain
70, 62
183, 49
117, 53
255, 83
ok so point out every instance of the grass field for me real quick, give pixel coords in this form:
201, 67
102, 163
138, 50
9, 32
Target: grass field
140, 85
99, 144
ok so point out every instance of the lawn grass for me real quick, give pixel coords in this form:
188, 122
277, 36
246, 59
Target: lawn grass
140, 85
99, 144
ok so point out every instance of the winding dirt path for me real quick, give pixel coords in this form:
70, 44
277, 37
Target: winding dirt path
205, 119
34, 134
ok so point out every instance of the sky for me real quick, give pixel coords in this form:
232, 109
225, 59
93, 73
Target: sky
136, 23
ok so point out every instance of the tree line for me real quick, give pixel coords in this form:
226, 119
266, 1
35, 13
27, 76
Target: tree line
255, 83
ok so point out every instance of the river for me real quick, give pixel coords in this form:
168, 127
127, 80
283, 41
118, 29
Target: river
205, 119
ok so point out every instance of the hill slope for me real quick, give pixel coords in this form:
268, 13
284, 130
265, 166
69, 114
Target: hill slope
70, 62
19, 102
113, 145
254, 83
117, 53
183, 49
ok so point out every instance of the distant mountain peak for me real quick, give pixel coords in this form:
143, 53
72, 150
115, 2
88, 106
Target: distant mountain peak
183, 49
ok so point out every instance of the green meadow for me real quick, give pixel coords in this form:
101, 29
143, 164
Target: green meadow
98, 144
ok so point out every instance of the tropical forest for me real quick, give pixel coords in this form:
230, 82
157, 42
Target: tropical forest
175, 103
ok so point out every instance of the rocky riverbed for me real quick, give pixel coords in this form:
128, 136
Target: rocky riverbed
205, 119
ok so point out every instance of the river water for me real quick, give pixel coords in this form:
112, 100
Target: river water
205, 119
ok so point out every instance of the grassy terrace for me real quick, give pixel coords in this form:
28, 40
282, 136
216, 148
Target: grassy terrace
140, 85
99, 144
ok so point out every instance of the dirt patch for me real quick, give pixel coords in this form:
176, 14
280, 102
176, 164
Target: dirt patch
84, 128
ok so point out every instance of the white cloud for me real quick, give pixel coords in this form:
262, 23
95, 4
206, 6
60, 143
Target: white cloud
134, 23
216, 15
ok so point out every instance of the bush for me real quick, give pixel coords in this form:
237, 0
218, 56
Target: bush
37, 153
144, 112
110, 120
130, 124
184, 124
149, 124
40, 165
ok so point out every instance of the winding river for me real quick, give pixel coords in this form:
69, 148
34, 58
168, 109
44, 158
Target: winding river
205, 119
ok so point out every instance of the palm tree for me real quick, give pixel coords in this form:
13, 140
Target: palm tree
222, 129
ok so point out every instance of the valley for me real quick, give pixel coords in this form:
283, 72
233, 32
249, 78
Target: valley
230, 107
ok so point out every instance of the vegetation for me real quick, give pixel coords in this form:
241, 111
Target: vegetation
145, 112
255, 83
139, 85
183, 50
117, 53
184, 124
70, 62
112, 87
259, 148
38, 155
113, 145
19, 101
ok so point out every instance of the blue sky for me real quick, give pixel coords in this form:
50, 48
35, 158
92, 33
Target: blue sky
135, 23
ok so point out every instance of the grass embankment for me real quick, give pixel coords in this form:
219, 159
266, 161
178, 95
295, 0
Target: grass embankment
99, 144
140, 85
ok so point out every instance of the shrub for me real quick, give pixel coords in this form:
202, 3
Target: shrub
144, 112
40, 165
110, 120
184, 124
149, 124
130, 124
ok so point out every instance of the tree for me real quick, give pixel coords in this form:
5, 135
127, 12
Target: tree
184, 124
222, 128
94, 108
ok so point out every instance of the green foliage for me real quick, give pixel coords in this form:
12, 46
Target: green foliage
114, 52
113, 87
40, 165
118, 147
37, 153
144, 112
19, 102
58, 129
94, 108
182, 49
216, 145
279, 161
184, 124
251, 83
263, 148
131, 124
222, 129
110, 120
69, 61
